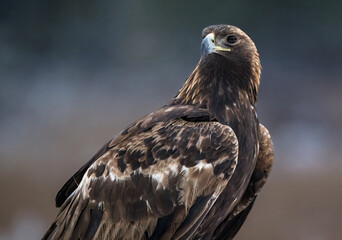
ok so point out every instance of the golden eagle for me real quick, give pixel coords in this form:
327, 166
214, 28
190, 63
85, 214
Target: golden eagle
190, 170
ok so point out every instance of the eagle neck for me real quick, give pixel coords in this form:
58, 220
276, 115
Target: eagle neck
218, 85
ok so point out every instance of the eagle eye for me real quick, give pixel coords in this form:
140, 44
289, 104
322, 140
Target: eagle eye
231, 39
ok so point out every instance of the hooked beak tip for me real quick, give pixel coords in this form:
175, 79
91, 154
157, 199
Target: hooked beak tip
208, 44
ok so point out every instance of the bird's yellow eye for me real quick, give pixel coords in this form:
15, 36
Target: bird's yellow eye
231, 39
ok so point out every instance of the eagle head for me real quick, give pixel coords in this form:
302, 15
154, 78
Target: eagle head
231, 43
226, 43
229, 62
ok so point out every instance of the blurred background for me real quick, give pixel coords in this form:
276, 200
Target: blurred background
75, 73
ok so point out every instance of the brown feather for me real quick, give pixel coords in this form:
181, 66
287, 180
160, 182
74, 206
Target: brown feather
181, 172
190, 170
230, 226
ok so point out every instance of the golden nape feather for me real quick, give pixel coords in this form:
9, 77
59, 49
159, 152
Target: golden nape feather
190, 170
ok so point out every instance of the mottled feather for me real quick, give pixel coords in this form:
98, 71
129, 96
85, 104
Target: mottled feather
160, 163
190, 170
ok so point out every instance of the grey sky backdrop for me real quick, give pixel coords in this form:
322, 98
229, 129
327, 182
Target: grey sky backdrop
74, 73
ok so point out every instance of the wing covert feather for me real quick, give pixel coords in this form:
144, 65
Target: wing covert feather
154, 170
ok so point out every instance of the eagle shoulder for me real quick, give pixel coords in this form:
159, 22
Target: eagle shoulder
164, 165
162, 114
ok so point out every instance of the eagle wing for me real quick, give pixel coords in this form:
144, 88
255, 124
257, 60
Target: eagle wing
156, 180
231, 225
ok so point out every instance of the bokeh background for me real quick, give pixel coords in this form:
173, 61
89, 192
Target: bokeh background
74, 73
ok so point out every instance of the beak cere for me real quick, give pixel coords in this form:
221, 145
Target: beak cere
208, 44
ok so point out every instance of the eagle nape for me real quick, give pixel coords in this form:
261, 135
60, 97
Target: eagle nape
189, 170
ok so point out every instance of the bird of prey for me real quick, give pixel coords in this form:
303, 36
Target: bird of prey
190, 170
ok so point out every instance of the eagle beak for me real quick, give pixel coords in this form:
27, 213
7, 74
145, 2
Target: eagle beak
208, 45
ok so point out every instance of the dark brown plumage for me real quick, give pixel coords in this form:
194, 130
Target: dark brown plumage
190, 170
